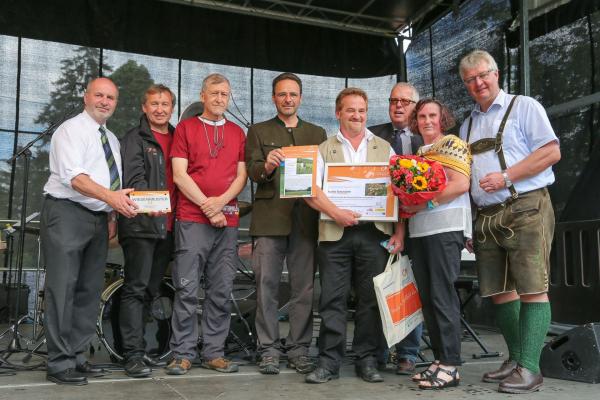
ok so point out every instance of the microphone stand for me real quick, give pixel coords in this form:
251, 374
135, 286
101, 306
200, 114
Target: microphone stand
14, 345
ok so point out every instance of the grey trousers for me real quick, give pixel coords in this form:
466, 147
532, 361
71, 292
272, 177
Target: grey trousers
298, 249
74, 245
202, 250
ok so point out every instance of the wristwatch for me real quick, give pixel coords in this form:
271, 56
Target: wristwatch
507, 180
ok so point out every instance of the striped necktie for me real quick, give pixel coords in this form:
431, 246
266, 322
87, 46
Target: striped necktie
115, 182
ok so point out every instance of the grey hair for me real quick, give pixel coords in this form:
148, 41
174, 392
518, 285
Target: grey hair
415, 92
474, 58
214, 79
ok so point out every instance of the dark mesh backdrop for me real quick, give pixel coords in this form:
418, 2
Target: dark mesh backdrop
563, 66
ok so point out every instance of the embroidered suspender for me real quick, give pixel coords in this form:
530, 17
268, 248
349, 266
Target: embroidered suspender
487, 144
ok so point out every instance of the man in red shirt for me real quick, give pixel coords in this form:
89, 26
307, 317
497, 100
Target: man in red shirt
209, 171
147, 240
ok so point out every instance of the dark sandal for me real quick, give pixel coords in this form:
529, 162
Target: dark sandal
426, 374
436, 383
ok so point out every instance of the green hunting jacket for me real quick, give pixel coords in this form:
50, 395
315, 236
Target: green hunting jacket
271, 215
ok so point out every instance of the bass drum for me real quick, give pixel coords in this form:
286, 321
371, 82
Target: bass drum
157, 317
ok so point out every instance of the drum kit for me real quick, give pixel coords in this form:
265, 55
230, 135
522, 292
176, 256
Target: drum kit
157, 315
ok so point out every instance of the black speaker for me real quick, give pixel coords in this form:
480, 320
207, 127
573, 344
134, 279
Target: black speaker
9, 295
574, 355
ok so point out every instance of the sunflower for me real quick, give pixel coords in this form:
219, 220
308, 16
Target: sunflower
405, 163
423, 166
419, 183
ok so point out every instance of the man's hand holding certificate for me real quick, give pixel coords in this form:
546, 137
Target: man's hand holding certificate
363, 189
151, 201
298, 171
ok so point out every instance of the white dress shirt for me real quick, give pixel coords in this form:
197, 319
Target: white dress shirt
351, 156
526, 130
75, 149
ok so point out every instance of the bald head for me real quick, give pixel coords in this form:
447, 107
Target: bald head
100, 99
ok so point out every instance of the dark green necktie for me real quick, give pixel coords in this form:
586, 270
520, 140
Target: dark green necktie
115, 182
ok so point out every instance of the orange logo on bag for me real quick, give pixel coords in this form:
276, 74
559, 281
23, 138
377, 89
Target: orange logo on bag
404, 303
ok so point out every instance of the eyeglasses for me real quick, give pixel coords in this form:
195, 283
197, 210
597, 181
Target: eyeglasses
483, 76
405, 102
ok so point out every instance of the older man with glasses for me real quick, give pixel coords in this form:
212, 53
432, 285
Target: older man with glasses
513, 147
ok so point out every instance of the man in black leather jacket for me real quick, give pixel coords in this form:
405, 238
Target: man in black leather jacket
147, 240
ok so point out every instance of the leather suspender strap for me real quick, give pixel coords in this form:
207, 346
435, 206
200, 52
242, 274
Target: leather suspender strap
469, 129
486, 144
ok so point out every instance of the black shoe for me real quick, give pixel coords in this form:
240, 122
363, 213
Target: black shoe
321, 375
368, 372
88, 369
67, 377
137, 368
153, 362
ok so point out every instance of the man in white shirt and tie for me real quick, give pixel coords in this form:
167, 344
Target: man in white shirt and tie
82, 196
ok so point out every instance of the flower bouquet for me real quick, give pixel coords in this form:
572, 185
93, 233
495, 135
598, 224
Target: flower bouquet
416, 180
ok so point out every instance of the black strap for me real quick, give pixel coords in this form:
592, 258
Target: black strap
486, 144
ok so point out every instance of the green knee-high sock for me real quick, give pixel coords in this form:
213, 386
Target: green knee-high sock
507, 319
534, 321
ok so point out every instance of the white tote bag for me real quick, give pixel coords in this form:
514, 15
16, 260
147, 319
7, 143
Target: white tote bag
398, 299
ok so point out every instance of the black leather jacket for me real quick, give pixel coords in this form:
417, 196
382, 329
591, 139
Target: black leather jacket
143, 169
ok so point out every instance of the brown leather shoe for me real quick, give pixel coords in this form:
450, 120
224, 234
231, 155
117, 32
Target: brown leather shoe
503, 372
405, 367
521, 380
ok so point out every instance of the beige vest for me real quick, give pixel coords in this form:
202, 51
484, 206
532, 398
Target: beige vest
378, 150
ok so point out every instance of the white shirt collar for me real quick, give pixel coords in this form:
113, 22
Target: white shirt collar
213, 123
498, 101
91, 121
368, 136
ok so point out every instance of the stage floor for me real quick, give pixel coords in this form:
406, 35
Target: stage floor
249, 384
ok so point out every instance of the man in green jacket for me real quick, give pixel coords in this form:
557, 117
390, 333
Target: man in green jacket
283, 229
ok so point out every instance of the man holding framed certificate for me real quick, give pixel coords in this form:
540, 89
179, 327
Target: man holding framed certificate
283, 228
147, 239
349, 253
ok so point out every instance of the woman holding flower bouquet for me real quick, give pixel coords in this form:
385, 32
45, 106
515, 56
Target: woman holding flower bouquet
438, 230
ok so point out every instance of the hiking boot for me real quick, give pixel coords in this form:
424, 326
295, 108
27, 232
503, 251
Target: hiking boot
220, 364
179, 366
302, 364
269, 365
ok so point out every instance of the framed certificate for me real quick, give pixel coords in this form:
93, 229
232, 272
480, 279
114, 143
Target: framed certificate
151, 201
298, 172
363, 188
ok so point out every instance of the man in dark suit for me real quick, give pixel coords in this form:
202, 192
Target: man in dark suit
402, 101
283, 229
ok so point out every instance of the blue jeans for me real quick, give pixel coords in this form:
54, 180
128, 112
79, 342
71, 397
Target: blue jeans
407, 349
